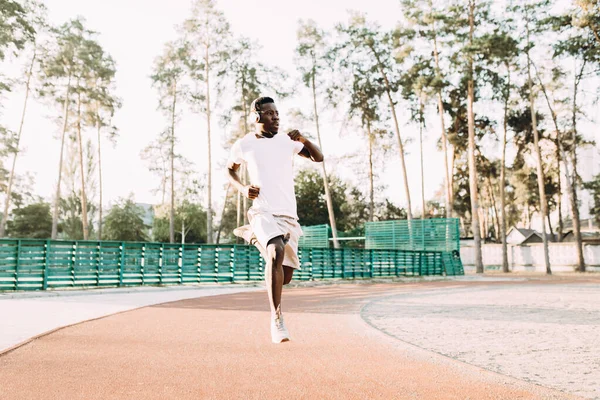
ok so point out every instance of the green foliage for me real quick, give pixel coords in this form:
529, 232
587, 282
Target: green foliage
313, 56
124, 222
435, 209
207, 40
587, 15
16, 27
70, 210
312, 204
229, 218
349, 203
100, 101
594, 187
33, 221
361, 54
168, 72
388, 211
190, 218
250, 79
62, 62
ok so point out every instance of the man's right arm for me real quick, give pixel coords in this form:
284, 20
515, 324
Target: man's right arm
249, 191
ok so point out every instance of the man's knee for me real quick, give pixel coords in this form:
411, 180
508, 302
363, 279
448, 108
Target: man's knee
275, 248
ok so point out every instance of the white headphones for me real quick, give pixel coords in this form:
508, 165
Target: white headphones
254, 114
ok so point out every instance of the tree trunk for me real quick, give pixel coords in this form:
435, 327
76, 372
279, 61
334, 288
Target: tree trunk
14, 161
182, 231
328, 198
371, 185
503, 181
60, 161
540, 179
243, 171
570, 178
483, 223
223, 213
172, 156
164, 189
388, 91
449, 201
472, 164
99, 128
452, 163
209, 228
240, 202
495, 219
559, 231
540, 169
84, 217
421, 150
595, 34
574, 205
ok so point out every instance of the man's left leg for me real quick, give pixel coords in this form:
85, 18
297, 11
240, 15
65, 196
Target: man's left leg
288, 273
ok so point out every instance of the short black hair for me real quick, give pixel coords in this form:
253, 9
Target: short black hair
260, 101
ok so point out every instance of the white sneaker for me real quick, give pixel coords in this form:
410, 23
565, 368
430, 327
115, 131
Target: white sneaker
279, 332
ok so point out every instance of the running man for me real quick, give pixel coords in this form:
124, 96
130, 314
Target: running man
273, 218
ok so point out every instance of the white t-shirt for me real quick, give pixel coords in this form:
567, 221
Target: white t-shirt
269, 163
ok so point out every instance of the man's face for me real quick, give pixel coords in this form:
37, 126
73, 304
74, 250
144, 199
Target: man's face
269, 118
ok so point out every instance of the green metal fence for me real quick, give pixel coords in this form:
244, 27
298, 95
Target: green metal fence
29, 264
315, 236
438, 234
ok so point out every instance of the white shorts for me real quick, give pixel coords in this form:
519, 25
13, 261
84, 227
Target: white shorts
264, 227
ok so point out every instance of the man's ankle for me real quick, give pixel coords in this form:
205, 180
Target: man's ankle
277, 311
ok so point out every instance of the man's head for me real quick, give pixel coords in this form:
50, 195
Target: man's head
267, 116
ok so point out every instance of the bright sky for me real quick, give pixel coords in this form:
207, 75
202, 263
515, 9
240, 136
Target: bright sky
134, 32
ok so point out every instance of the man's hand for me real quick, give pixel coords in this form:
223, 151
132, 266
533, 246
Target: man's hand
251, 191
296, 136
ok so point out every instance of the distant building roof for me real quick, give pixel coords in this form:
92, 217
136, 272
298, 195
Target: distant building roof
586, 237
523, 235
527, 232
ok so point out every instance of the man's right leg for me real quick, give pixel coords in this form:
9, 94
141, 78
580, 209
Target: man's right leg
274, 272
274, 277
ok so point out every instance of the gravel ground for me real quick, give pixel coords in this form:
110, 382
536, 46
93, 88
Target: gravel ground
544, 334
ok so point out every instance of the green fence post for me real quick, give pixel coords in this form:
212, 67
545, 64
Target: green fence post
371, 263
121, 262
232, 263
46, 251
143, 264
161, 255
310, 259
247, 263
17, 262
343, 258
216, 264
98, 262
199, 263
180, 264
73, 258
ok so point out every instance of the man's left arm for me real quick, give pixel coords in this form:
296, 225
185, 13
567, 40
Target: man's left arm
310, 150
